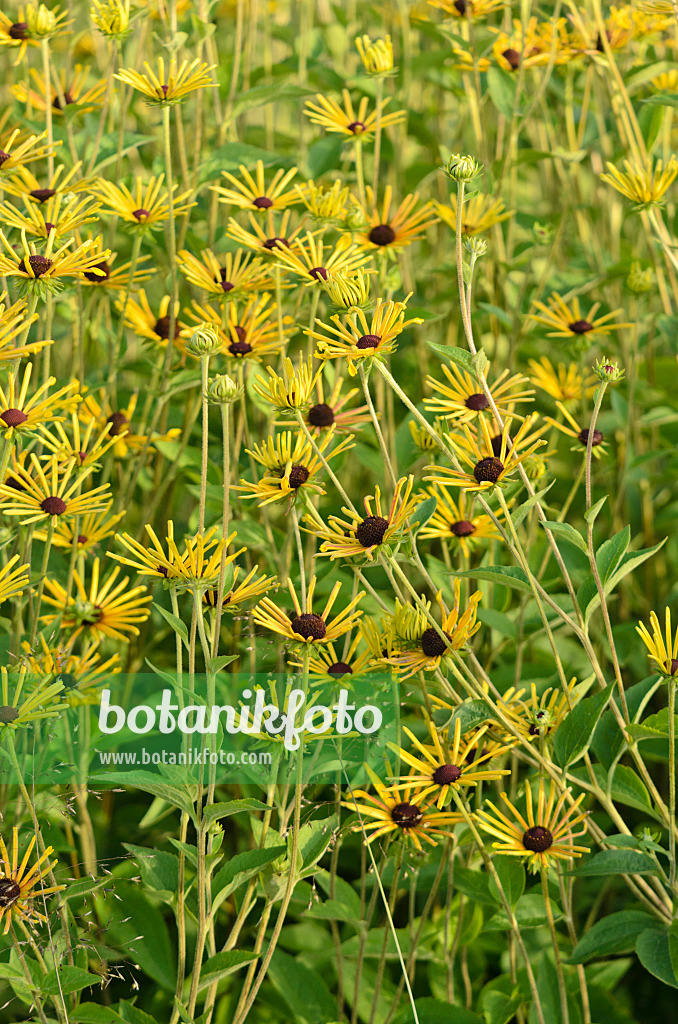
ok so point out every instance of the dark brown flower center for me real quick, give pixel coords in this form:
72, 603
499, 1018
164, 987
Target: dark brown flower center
42, 194
68, 99
488, 470
141, 214
583, 436
357, 127
82, 539
162, 328
38, 264
512, 57
318, 273
239, 348
580, 327
13, 417
446, 774
9, 892
19, 30
8, 714
673, 666
432, 644
321, 415
276, 243
97, 278
226, 285
3, 156
15, 484
298, 475
311, 627
53, 505
460, 5
476, 402
537, 839
262, 203
119, 423
406, 815
462, 528
382, 234
371, 531
340, 668
368, 341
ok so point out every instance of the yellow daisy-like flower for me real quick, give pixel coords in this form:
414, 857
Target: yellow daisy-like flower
464, 60
291, 466
267, 239
491, 459
197, 565
62, 182
147, 207
20, 413
20, 885
49, 492
418, 647
81, 675
253, 194
387, 230
23, 702
327, 666
328, 411
239, 272
16, 34
566, 320
376, 55
421, 437
464, 400
105, 276
643, 186
579, 433
454, 522
78, 447
72, 90
111, 17
250, 331
565, 384
307, 627
445, 765
141, 319
106, 609
479, 213
44, 22
46, 269
475, 9
349, 292
534, 44
13, 322
354, 123
239, 594
310, 261
15, 154
120, 425
92, 528
664, 654
363, 535
540, 715
399, 810
62, 216
541, 838
294, 390
13, 579
171, 85
327, 203
353, 339
668, 80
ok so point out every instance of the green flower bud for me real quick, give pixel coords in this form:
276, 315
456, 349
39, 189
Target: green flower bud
204, 341
222, 389
462, 168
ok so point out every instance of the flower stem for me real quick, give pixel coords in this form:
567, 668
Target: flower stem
562, 991
204, 367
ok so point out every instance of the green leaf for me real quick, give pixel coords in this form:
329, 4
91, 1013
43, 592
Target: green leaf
507, 575
519, 514
461, 356
592, 513
68, 979
616, 933
653, 951
627, 788
314, 838
240, 869
177, 625
475, 886
303, 989
662, 99
512, 877
93, 1013
574, 734
177, 795
224, 810
159, 869
529, 912
223, 964
502, 90
215, 665
611, 553
423, 513
140, 928
432, 1011
261, 95
616, 862
567, 532
471, 714
587, 595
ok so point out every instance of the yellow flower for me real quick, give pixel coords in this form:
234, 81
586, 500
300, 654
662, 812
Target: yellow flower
540, 715
81, 675
44, 271
253, 194
479, 214
23, 703
581, 434
455, 522
111, 17
13, 322
464, 60
268, 239
419, 647
140, 318
50, 491
464, 400
62, 216
544, 835
13, 579
399, 809
61, 182
309, 260
491, 459
20, 885
291, 466
93, 527
147, 207
386, 230
104, 275
238, 273
377, 56
120, 426
12, 156
642, 185
306, 626
240, 593
355, 340
353, 123
349, 292
668, 80
21, 414
15, 34
327, 666
475, 9
328, 411
294, 390
364, 535
106, 609
250, 332
565, 384
323, 202
663, 654
44, 22
566, 320
70, 93
171, 85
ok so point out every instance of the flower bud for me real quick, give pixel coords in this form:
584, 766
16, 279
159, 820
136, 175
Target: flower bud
608, 370
377, 56
462, 167
349, 291
543, 233
41, 22
111, 17
222, 390
640, 281
476, 246
204, 341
